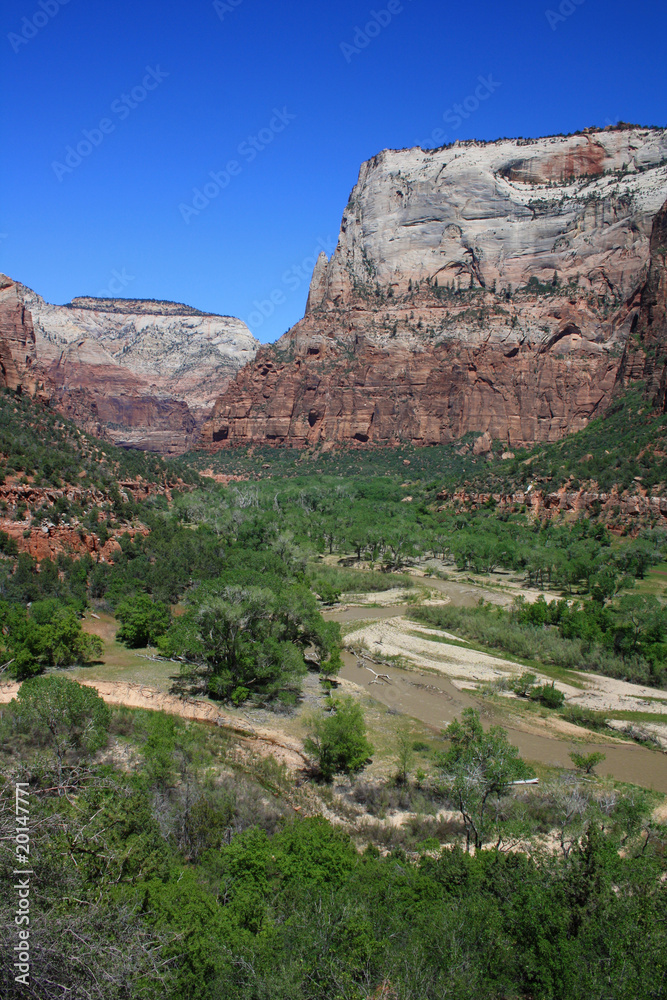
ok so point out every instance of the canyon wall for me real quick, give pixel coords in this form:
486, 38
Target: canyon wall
484, 287
645, 354
139, 373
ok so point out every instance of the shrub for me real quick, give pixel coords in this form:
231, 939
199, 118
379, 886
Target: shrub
337, 741
548, 695
587, 762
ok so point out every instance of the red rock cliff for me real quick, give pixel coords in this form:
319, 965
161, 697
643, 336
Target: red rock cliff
645, 355
485, 287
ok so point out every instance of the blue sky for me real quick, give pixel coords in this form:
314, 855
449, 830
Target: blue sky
115, 112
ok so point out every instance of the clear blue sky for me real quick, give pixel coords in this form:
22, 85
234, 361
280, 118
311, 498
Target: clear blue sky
65, 229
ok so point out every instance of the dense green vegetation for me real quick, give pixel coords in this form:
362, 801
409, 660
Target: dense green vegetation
40, 610
248, 563
625, 443
337, 740
185, 880
173, 866
36, 441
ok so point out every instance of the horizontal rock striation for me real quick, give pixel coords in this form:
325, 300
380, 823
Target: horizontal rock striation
487, 287
140, 374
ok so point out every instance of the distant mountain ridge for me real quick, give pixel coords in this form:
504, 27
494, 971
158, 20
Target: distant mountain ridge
143, 307
139, 373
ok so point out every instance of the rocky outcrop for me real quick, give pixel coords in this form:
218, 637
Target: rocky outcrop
622, 508
27, 512
645, 355
487, 287
140, 374
17, 341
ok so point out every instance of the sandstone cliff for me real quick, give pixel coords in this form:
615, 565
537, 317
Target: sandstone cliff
645, 355
141, 374
485, 287
17, 341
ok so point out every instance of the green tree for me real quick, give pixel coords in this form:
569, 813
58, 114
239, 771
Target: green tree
250, 641
587, 762
405, 754
142, 620
70, 720
337, 741
479, 768
48, 635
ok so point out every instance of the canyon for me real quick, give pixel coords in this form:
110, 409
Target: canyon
498, 288
137, 373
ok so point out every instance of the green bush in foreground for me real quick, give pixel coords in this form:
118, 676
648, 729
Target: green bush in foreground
337, 741
70, 721
479, 767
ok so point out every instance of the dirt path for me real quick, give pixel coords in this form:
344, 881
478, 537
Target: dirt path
141, 696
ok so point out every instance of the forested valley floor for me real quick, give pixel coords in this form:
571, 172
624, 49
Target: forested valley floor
404, 744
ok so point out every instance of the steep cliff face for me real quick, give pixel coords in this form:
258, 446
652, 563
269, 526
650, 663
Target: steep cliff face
645, 355
141, 374
481, 287
17, 341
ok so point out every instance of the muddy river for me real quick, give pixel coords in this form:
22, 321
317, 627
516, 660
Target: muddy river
435, 701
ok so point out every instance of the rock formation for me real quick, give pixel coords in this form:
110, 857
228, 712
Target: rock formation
629, 508
645, 355
17, 341
485, 287
141, 374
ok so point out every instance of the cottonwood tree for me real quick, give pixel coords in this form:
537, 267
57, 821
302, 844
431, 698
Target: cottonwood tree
252, 640
478, 769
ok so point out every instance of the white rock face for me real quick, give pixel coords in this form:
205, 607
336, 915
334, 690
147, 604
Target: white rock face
497, 214
481, 287
177, 351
